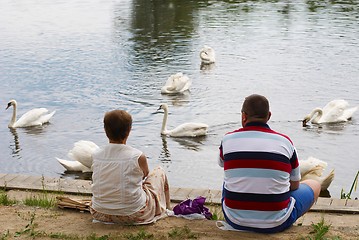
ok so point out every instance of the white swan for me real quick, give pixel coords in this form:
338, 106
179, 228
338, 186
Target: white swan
313, 168
81, 155
184, 130
34, 117
207, 55
335, 111
176, 83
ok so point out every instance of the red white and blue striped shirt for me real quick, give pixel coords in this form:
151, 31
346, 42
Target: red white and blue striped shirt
258, 166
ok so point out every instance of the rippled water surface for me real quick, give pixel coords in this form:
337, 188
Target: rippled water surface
83, 58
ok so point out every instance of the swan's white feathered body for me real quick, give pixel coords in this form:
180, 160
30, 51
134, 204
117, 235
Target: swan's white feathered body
207, 55
81, 155
73, 166
176, 83
335, 111
34, 117
191, 129
313, 168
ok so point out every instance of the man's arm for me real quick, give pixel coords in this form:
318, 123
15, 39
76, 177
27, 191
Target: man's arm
220, 157
294, 185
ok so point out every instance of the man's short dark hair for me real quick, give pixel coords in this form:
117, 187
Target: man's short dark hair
256, 106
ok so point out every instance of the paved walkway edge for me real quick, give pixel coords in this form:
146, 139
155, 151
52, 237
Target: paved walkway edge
83, 187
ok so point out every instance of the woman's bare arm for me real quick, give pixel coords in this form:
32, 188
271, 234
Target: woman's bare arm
142, 161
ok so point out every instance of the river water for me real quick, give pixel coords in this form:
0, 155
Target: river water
83, 58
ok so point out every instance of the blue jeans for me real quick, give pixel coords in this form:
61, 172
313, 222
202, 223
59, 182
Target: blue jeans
304, 199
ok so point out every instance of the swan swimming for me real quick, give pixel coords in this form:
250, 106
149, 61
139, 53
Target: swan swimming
81, 155
190, 129
334, 112
207, 55
176, 83
34, 117
313, 168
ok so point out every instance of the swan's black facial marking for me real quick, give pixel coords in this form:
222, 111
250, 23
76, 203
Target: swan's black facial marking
8, 105
304, 122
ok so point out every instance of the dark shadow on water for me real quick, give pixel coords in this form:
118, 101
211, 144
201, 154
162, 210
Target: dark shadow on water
77, 175
325, 194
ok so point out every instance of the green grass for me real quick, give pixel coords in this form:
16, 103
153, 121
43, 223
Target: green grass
30, 231
319, 231
141, 235
216, 211
182, 233
30, 227
5, 200
93, 236
41, 200
63, 236
344, 195
5, 235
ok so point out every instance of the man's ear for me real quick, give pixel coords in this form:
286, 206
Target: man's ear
269, 115
244, 117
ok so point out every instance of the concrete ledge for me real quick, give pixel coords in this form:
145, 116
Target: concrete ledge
83, 187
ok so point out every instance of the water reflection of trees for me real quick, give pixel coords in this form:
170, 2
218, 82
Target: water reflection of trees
339, 5
157, 25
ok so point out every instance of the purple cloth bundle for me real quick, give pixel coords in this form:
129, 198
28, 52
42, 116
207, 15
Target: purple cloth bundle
192, 206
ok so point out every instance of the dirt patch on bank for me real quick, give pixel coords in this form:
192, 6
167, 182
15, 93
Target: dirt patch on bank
23, 222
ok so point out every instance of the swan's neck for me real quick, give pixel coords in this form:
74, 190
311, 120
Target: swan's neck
13, 118
164, 122
318, 113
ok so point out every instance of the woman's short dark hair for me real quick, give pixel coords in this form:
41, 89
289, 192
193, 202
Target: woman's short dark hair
256, 106
117, 124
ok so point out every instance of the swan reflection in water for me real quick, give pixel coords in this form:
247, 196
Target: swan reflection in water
35, 130
187, 142
165, 153
178, 99
207, 67
334, 128
16, 146
191, 143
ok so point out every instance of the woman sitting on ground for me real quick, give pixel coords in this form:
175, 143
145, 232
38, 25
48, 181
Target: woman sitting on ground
124, 191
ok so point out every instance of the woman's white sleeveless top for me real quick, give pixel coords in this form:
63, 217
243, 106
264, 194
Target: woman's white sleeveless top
117, 180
